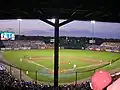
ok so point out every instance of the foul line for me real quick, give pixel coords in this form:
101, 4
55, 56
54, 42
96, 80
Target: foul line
38, 64
85, 66
67, 69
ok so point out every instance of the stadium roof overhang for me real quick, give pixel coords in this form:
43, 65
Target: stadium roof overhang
99, 10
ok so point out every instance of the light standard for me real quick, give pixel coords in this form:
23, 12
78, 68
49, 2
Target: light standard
19, 20
93, 27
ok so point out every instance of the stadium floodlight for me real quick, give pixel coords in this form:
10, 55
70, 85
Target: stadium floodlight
19, 20
93, 21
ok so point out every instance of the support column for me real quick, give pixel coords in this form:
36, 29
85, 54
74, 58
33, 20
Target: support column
56, 45
56, 53
20, 74
10, 70
36, 77
76, 78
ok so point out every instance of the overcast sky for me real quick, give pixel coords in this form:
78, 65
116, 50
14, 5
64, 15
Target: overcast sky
75, 28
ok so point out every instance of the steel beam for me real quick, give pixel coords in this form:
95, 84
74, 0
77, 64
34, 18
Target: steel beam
65, 22
48, 22
56, 54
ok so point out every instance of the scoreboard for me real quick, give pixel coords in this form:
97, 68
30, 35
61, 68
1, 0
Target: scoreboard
7, 36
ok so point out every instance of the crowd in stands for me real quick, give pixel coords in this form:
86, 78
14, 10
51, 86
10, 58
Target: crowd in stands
106, 46
34, 44
8, 82
38, 44
50, 46
111, 45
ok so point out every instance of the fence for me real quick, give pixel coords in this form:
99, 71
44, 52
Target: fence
77, 73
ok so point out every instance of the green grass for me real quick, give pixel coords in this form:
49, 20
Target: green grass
66, 56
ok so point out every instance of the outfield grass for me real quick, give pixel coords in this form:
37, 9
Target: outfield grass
81, 58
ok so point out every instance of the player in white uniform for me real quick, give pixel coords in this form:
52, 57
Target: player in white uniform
30, 58
20, 59
74, 66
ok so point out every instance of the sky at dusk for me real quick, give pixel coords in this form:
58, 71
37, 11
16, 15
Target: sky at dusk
75, 28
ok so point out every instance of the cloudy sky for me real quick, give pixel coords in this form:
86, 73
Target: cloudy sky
75, 28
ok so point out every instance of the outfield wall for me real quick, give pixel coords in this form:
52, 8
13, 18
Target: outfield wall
21, 48
26, 48
92, 49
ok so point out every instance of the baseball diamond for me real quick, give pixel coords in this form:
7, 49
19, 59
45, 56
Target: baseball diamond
70, 61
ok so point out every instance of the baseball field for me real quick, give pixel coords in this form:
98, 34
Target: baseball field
70, 61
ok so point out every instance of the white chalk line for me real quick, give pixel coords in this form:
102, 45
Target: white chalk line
67, 69
85, 66
38, 64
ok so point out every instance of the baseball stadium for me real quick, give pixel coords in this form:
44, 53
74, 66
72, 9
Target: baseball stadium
31, 58
84, 62
60, 45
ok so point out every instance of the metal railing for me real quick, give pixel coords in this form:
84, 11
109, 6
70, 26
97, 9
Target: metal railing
23, 74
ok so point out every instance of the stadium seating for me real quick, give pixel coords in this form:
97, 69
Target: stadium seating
111, 45
23, 43
106, 46
27, 44
8, 82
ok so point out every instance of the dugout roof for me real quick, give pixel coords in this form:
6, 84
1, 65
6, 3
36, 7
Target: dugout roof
99, 10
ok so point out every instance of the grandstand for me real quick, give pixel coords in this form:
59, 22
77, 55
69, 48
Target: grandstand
106, 46
8, 82
19, 44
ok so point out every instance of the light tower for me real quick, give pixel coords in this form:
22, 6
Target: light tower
19, 20
93, 27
